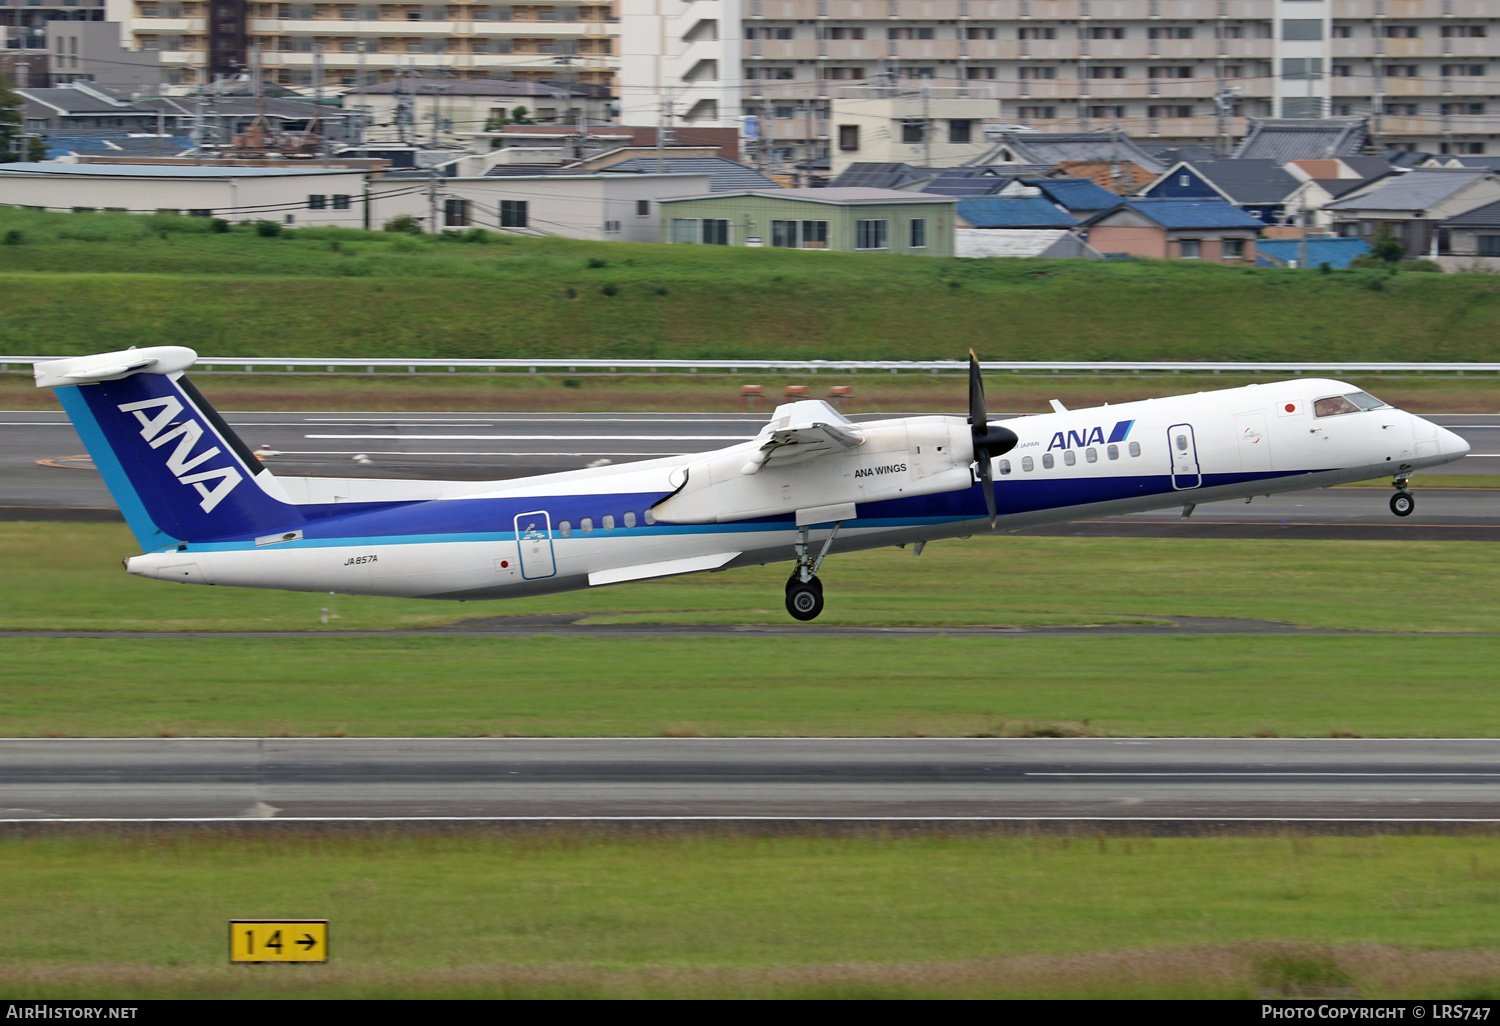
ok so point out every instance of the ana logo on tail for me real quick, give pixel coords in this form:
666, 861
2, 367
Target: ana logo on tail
181, 461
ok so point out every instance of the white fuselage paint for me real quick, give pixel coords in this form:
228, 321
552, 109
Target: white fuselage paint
1232, 432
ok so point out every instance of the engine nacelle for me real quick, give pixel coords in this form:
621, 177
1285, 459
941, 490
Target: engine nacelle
898, 458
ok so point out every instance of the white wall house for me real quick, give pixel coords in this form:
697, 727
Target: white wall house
298, 196
599, 207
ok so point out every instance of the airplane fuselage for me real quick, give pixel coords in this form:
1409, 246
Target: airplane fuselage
908, 480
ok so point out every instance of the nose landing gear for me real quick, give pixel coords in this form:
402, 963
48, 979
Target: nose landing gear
1403, 503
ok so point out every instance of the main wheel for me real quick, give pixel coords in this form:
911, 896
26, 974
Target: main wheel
804, 601
1402, 504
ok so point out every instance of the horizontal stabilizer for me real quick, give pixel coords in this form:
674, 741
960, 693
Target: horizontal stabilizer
88, 370
666, 568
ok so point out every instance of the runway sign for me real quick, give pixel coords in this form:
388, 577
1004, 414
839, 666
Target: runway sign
278, 940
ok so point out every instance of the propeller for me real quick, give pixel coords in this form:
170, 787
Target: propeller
990, 440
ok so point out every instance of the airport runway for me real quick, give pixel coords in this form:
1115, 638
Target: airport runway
1141, 779
480, 447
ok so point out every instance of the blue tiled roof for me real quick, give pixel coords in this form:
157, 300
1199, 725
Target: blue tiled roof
1334, 252
1074, 193
1013, 212
1193, 213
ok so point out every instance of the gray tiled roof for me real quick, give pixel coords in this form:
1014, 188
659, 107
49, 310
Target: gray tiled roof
1248, 180
723, 175
1284, 139
1414, 191
1487, 216
76, 101
1053, 148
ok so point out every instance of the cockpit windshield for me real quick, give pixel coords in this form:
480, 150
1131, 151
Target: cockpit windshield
1354, 402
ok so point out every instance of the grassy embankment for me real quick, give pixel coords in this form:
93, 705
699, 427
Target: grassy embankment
67, 577
79, 283
587, 916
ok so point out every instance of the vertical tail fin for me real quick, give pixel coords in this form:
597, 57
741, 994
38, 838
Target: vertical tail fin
177, 470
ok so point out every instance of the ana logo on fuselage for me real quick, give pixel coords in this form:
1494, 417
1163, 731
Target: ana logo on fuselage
1090, 436
890, 468
181, 462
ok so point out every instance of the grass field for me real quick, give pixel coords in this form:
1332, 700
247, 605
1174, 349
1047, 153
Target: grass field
590, 916
89, 282
67, 576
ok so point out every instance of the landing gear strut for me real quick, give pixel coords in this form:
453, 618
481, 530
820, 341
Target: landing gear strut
804, 592
1403, 503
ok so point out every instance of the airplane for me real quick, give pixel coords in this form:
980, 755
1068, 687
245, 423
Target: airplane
206, 511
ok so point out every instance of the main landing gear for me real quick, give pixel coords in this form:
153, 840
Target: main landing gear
804, 592
1403, 503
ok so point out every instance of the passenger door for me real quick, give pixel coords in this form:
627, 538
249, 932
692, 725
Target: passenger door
534, 541
1185, 473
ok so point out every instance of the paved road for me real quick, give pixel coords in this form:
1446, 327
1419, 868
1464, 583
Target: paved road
505, 777
477, 447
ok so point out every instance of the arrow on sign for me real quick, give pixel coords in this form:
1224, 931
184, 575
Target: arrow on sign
307, 942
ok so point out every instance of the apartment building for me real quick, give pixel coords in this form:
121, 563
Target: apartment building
365, 43
1184, 71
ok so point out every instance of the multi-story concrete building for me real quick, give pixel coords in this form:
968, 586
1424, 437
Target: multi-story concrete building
1426, 71
356, 43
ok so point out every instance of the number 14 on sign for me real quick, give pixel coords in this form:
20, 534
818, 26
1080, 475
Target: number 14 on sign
278, 940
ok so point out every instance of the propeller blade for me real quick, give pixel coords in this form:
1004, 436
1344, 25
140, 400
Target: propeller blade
977, 416
987, 484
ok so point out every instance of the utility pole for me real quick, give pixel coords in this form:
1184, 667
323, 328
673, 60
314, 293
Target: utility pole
318, 100
432, 199
198, 128
1302, 235
663, 129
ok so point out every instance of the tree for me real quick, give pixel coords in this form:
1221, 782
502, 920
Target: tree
14, 145
1385, 246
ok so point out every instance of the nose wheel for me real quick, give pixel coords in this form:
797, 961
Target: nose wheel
804, 599
1403, 503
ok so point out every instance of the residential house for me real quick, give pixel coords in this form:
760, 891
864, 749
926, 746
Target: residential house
1017, 226
79, 108
1213, 230
1474, 233
1284, 139
1111, 160
723, 175
1258, 187
443, 112
1413, 206
848, 220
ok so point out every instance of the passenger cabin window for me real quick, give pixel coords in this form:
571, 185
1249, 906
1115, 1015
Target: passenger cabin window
650, 518
609, 521
1004, 467
1047, 461
1113, 451
1026, 464
1092, 455
1135, 448
564, 528
1070, 457
587, 524
630, 519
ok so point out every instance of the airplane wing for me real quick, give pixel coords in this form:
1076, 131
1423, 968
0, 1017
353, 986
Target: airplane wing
805, 430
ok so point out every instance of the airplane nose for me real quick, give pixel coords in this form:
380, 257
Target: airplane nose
1450, 444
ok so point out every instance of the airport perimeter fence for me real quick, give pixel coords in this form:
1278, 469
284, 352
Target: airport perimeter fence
392, 366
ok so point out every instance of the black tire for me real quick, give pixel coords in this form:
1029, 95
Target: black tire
804, 601
1403, 504
816, 582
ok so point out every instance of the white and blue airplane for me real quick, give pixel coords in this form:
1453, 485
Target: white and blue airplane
205, 511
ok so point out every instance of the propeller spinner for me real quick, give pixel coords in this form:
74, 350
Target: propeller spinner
990, 440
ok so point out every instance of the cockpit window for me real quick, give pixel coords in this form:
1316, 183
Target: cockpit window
1333, 406
1354, 402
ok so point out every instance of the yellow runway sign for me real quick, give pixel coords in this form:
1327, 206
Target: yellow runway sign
278, 940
